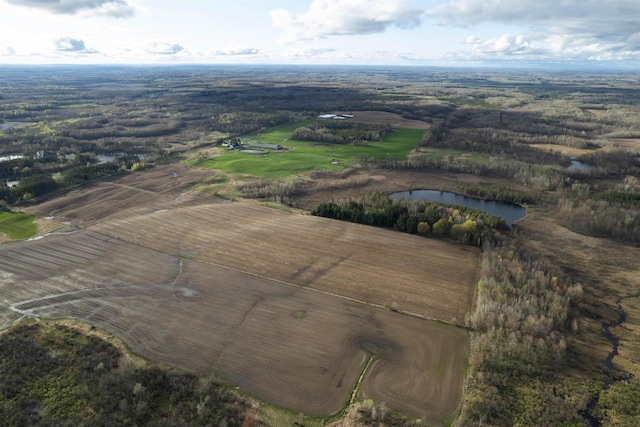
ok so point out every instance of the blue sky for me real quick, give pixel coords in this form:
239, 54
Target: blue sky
380, 32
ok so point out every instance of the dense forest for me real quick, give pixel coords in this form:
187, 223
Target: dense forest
336, 132
461, 224
59, 375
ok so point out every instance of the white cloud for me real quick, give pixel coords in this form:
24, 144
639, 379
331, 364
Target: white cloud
633, 41
346, 17
572, 13
472, 39
71, 45
575, 28
236, 51
161, 48
7, 51
309, 52
112, 8
507, 44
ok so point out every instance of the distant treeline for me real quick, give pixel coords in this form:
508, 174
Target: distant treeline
602, 218
484, 131
535, 176
40, 184
337, 132
461, 224
616, 161
29, 187
620, 197
502, 194
243, 122
93, 129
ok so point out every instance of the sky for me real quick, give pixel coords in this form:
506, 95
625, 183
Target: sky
577, 33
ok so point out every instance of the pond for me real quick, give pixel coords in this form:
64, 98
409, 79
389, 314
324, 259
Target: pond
579, 166
509, 211
105, 158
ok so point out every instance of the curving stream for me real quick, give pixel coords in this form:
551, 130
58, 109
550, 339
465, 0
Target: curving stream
616, 373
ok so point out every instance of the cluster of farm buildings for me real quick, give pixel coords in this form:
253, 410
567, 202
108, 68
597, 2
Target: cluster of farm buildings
238, 145
335, 116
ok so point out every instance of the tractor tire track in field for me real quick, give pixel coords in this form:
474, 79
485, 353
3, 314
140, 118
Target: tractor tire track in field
26, 308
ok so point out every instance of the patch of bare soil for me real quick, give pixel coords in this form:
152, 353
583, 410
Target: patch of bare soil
46, 226
569, 151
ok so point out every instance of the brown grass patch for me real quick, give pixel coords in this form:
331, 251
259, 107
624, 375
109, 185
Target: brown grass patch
384, 118
631, 144
569, 151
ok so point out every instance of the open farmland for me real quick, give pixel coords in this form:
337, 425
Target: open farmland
299, 349
287, 307
426, 277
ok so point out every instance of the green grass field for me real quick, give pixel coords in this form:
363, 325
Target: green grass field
302, 156
17, 225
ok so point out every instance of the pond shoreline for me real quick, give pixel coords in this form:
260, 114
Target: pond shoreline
510, 212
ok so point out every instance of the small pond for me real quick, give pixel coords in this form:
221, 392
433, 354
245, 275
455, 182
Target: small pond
579, 166
105, 158
509, 211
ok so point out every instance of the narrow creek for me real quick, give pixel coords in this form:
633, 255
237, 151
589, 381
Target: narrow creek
615, 374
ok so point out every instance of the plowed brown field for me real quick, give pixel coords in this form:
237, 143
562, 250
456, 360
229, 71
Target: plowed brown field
423, 276
287, 307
